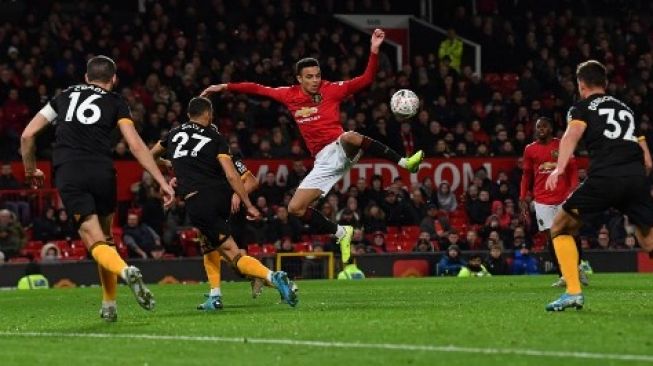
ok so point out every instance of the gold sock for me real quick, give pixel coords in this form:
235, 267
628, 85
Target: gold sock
250, 266
565, 248
109, 282
212, 267
108, 258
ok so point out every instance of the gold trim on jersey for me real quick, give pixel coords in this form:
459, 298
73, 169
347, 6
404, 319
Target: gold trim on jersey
125, 120
224, 156
577, 122
641, 138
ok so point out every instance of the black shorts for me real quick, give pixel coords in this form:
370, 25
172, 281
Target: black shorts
630, 195
209, 212
86, 188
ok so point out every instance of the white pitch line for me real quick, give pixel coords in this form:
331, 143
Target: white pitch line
327, 344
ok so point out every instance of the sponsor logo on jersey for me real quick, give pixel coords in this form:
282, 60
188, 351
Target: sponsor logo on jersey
305, 112
547, 167
554, 154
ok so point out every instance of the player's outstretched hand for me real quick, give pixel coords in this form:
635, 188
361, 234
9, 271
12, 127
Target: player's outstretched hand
235, 203
552, 180
377, 38
168, 195
35, 179
253, 213
216, 88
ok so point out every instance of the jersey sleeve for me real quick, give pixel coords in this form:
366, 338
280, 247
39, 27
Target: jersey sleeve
123, 113
349, 87
223, 147
50, 109
575, 115
278, 94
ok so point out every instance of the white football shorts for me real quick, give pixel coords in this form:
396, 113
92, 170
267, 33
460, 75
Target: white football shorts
331, 164
545, 214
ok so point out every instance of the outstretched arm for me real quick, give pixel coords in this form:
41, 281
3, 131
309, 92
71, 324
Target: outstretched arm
144, 157
360, 82
249, 88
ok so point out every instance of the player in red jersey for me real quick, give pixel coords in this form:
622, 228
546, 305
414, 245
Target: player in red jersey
540, 158
315, 105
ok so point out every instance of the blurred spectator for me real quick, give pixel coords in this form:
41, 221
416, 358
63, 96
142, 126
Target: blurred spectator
451, 49
313, 266
296, 175
269, 188
50, 253
378, 243
630, 242
451, 263
149, 199
397, 211
524, 262
496, 263
603, 240
45, 226
64, 226
423, 246
141, 240
434, 224
282, 225
15, 202
477, 205
374, 219
474, 268
446, 199
12, 235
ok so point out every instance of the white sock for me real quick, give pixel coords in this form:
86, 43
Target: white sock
106, 304
402, 162
269, 277
215, 292
340, 232
123, 273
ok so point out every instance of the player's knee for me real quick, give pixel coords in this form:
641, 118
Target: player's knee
352, 138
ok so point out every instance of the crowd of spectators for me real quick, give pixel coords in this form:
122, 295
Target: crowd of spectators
168, 51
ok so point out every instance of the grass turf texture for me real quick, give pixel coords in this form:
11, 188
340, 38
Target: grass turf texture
481, 315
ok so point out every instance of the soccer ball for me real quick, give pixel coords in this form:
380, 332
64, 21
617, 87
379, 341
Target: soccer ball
404, 103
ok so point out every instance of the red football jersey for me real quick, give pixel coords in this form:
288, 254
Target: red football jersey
539, 161
318, 117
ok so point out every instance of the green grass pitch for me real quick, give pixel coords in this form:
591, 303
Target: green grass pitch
427, 321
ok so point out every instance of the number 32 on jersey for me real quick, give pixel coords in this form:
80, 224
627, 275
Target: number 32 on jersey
614, 128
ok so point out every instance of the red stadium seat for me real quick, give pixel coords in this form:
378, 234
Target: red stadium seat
254, 250
269, 249
509, 83
410, 232
393, 230
303, 248
493, 80
189, 240
393, 247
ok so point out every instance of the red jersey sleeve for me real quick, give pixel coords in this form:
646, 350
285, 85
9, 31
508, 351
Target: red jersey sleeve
527, 175
278, 94
349, 87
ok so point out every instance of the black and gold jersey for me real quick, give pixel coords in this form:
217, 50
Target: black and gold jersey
193, 150
84, 116
611, 136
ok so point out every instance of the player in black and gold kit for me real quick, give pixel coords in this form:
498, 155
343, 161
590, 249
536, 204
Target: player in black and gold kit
206, 186
84, 117
617, 176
